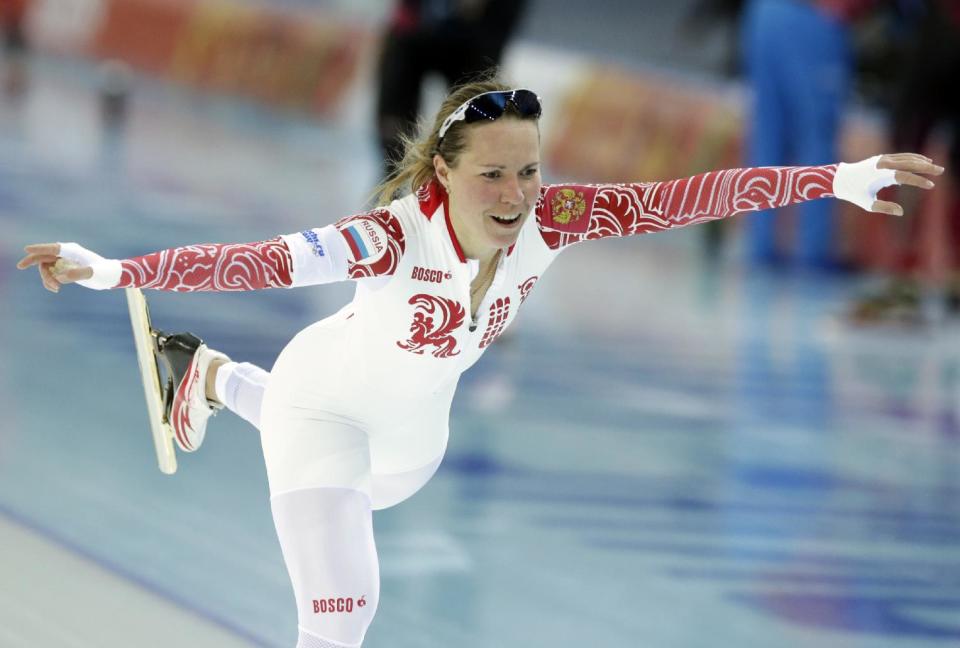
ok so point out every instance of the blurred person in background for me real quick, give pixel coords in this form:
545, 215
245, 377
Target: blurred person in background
353, 416
798, 62
12, 18
707, 16
702, 20
457, 39
926, 101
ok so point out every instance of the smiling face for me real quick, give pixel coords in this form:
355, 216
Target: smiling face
494, 185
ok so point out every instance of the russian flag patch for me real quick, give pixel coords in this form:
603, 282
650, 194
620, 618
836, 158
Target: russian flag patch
366, 239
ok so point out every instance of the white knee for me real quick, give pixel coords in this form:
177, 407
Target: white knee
326, 535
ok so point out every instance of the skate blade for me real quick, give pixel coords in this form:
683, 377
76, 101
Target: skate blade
145, 343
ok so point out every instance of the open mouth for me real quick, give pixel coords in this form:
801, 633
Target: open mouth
507, 220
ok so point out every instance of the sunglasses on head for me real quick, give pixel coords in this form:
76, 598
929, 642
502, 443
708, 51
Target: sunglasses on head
491, 106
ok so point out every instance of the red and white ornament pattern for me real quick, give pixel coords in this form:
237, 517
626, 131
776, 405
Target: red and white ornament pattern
640, 208
434, 320
496, 321
234, 266
526, 287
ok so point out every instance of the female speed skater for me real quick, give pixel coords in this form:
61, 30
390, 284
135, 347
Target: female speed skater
440, 273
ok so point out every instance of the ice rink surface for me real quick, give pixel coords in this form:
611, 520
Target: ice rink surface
664, 451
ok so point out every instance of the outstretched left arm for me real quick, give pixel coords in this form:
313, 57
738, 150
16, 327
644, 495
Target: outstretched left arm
569, 214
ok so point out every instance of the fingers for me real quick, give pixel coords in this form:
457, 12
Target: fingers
33, 259
39, 253
67, 272
907, 178
74, 274
887, 207
899, 158
908, 156
46, 276
54, 270
43, 248
911, 162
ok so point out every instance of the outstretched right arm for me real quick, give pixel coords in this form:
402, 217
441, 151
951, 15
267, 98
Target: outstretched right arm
246, 266
364, 245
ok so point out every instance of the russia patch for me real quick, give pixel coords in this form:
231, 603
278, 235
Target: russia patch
366, 239
568, 208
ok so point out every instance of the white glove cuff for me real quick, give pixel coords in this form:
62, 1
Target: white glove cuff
859, 182
106, 272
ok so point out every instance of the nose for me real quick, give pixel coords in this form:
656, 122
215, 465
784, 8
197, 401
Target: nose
512, 193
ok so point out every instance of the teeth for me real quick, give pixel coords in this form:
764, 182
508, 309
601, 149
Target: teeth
502, 219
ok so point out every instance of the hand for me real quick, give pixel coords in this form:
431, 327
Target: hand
859, 182
909, 169
55, 270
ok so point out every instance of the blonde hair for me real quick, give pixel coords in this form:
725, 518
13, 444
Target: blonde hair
416, 166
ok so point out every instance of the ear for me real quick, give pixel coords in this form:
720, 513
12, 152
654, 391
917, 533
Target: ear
441, 170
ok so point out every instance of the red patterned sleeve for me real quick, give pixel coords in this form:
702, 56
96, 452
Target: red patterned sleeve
220, 267
568, 214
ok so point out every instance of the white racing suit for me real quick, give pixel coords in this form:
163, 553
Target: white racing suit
354, 415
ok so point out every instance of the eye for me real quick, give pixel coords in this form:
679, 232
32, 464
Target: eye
492, 175
529, 173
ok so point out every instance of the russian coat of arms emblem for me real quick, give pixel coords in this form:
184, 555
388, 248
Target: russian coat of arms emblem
567, 206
